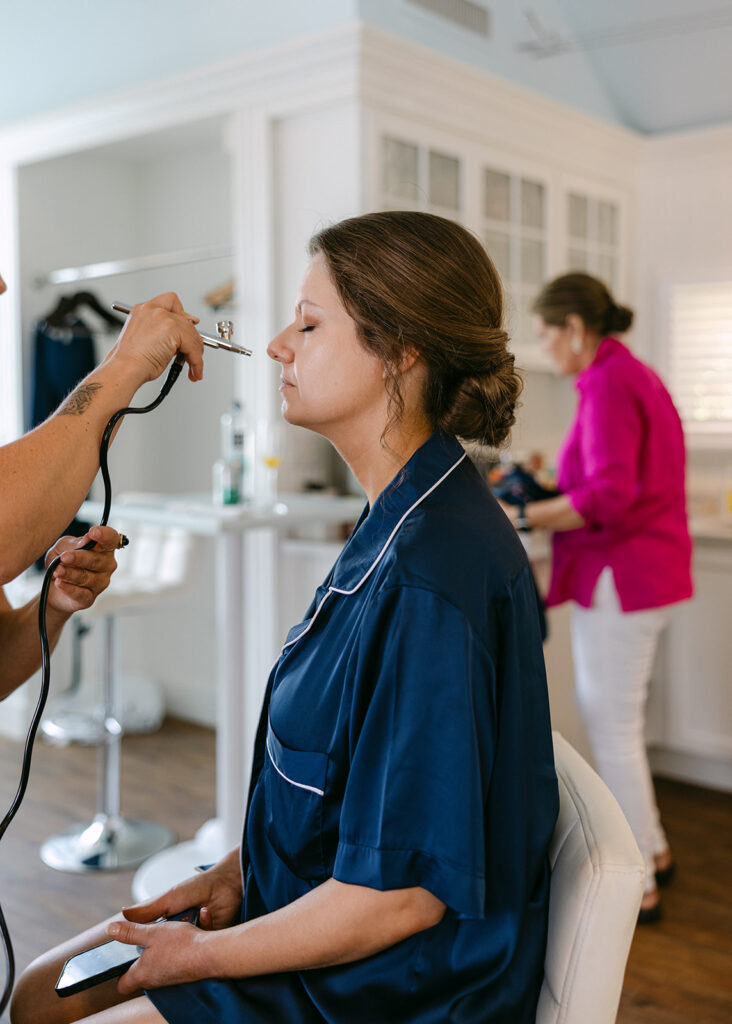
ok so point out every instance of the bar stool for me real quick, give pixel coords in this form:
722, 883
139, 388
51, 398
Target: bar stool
155, 569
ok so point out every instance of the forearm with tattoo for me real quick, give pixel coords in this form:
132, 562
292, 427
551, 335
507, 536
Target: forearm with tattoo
79, 400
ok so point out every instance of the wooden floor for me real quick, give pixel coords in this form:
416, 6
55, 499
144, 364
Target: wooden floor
679, 970
168, 777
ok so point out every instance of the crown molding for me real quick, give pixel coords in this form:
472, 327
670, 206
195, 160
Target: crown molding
409, 79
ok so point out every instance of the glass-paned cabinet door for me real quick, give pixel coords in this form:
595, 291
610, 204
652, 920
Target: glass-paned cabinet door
444, 180
593, 237
400, 169
514, 231
417, 177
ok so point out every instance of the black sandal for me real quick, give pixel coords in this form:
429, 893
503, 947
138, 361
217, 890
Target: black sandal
650, 915
665, 875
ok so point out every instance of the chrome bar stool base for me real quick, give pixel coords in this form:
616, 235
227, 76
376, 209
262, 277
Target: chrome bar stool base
105, 844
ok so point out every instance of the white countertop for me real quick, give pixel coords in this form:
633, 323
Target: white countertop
199, 514
705, 529
710, 528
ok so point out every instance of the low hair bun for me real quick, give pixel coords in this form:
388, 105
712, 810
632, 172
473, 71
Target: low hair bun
585, 296
482, 407
619, 319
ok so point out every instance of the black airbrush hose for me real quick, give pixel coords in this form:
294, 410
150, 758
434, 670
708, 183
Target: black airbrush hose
173, 374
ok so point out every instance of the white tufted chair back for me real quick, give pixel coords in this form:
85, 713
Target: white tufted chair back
595, 892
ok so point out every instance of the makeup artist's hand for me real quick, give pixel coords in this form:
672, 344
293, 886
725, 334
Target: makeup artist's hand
154, 333
82, 575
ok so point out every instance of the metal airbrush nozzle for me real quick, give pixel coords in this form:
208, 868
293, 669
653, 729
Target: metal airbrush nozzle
225, 329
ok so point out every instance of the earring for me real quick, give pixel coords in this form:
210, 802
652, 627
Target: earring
576, 345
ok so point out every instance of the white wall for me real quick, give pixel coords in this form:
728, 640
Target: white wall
684, 232
68, 209
684, 215
317, 182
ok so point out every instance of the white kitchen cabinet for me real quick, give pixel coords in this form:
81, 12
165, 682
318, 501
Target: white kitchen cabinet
689, 721
690, 712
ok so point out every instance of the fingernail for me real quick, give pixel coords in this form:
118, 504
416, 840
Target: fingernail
95, 532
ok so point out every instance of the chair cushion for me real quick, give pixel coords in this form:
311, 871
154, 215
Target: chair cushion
596, 887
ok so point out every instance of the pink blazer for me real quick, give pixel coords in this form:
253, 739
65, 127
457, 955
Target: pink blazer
622, 467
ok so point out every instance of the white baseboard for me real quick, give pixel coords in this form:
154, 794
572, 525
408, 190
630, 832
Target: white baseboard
712, 772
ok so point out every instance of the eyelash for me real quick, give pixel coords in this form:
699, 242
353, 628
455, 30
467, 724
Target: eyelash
306, 328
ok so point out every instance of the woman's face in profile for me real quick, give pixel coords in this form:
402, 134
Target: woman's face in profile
330, 382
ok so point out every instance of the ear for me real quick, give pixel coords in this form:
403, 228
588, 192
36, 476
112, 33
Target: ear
403, 365
409, 358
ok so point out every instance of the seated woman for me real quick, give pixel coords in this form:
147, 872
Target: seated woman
394, 864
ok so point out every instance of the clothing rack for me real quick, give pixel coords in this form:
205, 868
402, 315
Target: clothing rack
68, 275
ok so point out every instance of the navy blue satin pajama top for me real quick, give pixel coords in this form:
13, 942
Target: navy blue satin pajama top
405, 741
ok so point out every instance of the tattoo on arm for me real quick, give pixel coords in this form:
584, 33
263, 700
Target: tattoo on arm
78, 401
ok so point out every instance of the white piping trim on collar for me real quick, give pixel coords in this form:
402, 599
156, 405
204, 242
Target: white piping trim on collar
314, 616
347, 593
391, 536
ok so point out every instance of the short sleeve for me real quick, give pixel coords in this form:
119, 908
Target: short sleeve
423, 729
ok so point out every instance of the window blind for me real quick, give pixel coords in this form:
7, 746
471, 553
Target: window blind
700, 355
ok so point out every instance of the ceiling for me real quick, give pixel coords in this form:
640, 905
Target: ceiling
665, 65
653, 65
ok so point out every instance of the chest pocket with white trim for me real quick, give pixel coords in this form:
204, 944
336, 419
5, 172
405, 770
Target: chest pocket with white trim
295, 783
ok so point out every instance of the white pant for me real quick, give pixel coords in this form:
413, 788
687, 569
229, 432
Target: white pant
613, 657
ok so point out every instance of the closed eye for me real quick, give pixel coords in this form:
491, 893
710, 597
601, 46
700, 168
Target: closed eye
307, 327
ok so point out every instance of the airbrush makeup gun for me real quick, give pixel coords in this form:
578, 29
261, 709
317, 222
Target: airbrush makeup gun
224, 328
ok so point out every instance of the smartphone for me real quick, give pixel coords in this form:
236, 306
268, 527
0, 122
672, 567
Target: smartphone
109, 960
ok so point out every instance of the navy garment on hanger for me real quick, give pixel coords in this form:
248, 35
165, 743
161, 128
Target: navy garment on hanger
62, 356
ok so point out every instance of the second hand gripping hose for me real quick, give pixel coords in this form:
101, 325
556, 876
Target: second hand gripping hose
173, 374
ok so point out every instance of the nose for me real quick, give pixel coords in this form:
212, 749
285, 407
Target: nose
279, 347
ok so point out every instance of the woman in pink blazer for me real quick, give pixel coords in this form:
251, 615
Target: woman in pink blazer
621, 545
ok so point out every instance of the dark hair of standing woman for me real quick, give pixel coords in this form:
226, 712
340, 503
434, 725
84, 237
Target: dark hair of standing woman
413, 281
586, 297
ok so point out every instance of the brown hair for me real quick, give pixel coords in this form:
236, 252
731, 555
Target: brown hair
420, 282
588, 298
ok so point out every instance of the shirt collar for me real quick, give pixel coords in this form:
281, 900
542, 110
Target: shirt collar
378, 526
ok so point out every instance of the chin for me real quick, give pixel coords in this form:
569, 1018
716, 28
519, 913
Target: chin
289, 415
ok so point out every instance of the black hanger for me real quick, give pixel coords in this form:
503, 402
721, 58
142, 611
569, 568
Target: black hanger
67, 306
